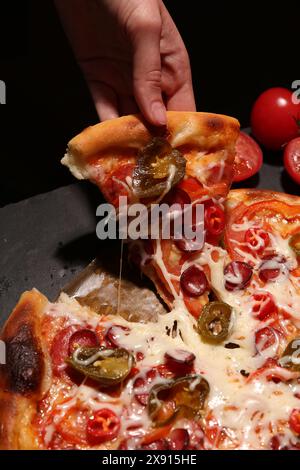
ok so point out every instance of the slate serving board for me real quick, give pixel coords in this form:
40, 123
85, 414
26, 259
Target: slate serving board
47, 239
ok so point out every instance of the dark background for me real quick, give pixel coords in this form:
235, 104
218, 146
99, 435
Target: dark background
237, 50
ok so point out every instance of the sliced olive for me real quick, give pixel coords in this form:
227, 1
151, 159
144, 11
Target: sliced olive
295, 243
214, 321
184, 397
155, 164
107, 366
290, 359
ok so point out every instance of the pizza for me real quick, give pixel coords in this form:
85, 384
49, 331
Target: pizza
218, 369
190, 162
77, 379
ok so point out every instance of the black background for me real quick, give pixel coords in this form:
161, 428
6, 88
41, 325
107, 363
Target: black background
237, 50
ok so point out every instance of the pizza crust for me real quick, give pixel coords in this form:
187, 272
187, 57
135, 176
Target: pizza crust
201, 131
26, 376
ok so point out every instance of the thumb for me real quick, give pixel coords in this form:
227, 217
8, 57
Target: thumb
147, 73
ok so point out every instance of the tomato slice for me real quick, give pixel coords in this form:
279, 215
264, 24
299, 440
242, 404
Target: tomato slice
248, 158
292, 159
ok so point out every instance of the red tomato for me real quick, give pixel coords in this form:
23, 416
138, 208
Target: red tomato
248, 158
291, 159
275, 118
103, 426
294, 421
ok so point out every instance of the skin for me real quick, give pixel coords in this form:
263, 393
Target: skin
132, 56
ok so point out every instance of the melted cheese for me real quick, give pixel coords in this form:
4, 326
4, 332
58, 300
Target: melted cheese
249, 412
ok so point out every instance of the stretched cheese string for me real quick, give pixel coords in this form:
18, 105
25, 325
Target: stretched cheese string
120, 277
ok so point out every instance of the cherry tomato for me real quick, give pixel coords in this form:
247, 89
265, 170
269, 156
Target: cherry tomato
275, 118
214, 219
257, 239
294, 421
291, 159
248, 158
193, 281
103, 426
263, 305
237, 275
82, 338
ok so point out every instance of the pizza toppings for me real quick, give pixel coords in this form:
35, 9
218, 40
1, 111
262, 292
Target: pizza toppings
214, 219
291, 356
214, 321
263, 305
295, 243
82, 338
271, 269
267, 338
294, 421
257, 239
179, 361
185, 396
116, 332
237, 275
102, 427
193, 281
178, 439
106, 366
159, 168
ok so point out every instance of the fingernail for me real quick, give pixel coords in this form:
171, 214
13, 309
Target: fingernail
159, 114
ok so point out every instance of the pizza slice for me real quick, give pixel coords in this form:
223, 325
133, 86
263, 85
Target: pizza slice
187, 163
75, 379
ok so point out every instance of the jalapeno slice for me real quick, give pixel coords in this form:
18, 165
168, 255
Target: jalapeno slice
106, 366
157, 161
214, 321
290, 359
295, 243
182, 397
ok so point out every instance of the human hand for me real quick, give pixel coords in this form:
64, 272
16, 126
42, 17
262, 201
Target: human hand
132, 56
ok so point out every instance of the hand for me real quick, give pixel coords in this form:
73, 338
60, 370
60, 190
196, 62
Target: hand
132, 56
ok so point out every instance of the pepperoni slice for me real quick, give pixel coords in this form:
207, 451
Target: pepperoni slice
294, 421
263, 305
265, 338
180, 356
115, 332
82, 338
60, 349
237, 275
179, 439
271, 269
179, 361
193, 281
